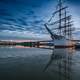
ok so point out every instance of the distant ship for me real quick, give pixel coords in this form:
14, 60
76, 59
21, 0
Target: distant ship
60, 29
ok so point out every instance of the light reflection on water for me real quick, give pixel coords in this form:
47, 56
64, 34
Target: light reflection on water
22, 63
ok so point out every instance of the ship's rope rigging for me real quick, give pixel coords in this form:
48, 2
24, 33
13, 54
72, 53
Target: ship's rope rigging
64, 22
54, 13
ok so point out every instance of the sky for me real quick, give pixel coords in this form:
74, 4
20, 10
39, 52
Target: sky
24, 19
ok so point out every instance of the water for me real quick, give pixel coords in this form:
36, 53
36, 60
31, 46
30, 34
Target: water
17, 63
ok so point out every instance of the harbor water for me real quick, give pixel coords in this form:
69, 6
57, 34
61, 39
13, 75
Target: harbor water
21, 63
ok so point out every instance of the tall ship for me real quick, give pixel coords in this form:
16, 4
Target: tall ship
59, 26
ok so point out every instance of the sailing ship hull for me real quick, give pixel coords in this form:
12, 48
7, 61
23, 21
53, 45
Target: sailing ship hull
63, 43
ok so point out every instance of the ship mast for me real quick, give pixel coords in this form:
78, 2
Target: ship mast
60, 11
64, 23
64, 20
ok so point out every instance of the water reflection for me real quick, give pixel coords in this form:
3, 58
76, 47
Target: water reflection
39, 64
61, 60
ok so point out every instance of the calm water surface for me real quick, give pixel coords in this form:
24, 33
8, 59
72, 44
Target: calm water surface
18, 63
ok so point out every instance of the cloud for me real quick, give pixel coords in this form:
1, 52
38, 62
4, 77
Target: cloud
24, 34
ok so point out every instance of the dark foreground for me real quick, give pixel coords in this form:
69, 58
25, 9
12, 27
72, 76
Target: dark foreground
17, 63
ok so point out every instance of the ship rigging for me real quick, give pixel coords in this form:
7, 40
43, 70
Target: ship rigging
61, 29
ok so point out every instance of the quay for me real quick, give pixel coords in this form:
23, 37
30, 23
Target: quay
41, 44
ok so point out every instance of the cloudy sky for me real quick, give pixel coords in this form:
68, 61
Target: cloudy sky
24, 19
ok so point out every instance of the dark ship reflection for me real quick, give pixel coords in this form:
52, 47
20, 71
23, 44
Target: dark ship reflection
60, 63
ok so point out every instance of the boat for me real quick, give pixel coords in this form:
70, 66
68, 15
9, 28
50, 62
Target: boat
61, 29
